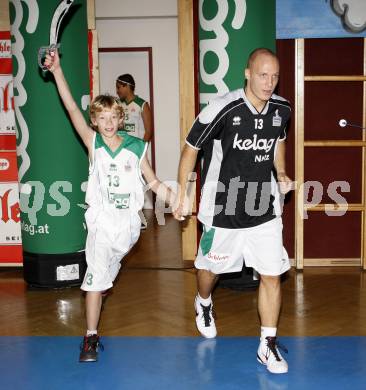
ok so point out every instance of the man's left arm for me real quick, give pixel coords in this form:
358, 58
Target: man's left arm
280, 165
147, 119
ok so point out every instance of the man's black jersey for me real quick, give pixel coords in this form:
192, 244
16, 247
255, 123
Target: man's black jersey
239, 146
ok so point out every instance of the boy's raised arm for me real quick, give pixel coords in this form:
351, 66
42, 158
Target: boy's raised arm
86, 133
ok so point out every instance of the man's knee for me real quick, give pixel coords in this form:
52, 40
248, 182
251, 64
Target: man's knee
270, 281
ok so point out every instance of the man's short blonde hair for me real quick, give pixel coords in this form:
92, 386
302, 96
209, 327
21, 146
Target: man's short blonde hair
257, 52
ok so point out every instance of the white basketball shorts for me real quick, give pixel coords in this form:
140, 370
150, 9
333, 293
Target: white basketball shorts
225, 250
110, 237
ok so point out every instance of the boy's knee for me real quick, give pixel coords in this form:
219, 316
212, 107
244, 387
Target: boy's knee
204, 273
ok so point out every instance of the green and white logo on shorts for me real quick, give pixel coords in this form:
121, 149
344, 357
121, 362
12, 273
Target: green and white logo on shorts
207, 240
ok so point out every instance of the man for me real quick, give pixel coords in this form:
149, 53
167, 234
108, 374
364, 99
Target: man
138, 118
241, 136
137, 111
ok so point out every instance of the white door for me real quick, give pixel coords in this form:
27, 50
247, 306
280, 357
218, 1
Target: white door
115, 63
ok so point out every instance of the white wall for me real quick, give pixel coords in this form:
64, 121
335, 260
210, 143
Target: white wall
135, 8
161, 33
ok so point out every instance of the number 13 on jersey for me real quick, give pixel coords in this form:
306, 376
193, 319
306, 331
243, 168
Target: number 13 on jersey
258, 124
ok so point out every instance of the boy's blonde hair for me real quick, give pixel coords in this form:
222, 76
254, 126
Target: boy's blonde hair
102, 102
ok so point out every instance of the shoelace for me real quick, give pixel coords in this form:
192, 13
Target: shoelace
90, 343
273, 345
206, 314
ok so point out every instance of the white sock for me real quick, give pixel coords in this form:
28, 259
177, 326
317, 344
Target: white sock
91, 332
267, 332
204, 301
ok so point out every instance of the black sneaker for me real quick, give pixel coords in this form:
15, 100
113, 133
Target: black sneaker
89, 348
143, 226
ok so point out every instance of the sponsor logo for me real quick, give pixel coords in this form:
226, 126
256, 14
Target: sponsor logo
5, 48
9, 211
236, 121
4, 164
27, 18
113, 167
35, 229
217, 257
218, 44
260, 158
6, 97
128, 167
130, 127
276, 120
12, 239
255, 144
122, 201
67, 272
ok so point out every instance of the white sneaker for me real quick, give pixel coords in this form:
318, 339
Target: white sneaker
205, 320
269, 355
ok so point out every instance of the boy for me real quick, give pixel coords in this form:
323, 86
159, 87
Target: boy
114, 195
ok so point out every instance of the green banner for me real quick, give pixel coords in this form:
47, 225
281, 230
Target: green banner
229, 30
52, 161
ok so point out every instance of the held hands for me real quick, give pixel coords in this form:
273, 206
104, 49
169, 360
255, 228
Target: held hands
284, 182
52, 61
181, 208
182, 205
184, 201
178, 213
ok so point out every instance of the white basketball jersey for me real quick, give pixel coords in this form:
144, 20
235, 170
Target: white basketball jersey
115, 179
133, 122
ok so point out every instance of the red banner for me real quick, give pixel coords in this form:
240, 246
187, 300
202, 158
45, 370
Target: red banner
10, 227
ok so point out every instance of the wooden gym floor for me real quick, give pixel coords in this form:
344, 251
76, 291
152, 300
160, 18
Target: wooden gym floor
153, 297
148, 300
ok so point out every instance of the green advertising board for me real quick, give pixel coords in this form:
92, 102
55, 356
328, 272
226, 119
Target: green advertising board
229, 30
52, 161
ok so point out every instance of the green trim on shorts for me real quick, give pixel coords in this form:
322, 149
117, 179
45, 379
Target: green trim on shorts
207, 240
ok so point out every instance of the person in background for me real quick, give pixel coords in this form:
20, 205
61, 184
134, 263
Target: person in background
138, 118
